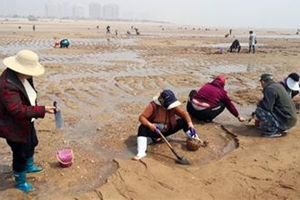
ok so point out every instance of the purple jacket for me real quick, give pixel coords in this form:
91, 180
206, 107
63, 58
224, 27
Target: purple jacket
214, 93
15, 109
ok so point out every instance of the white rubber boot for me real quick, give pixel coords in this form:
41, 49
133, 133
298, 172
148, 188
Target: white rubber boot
141, 147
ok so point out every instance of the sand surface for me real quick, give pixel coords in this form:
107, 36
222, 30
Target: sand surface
103, 82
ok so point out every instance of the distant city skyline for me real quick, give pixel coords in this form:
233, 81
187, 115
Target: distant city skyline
213, 13
62, 10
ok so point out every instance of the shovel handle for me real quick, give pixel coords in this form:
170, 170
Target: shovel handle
55, 105
168, 143
164, 138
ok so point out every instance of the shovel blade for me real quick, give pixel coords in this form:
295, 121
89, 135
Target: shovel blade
58, 119
182, 161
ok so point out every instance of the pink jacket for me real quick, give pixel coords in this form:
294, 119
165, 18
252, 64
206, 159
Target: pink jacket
213, 93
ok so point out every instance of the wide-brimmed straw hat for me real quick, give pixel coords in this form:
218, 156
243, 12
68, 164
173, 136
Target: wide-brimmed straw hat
167, 100
25, 62
292, 82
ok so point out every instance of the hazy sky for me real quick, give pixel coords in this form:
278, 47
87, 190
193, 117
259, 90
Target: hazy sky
220, 13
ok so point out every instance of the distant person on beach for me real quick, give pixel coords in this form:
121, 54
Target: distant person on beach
235, 46
108, 30
137, 31
64, 43
19, 110
276, 112
163, 113
252, 41
210, 101
291, 84
33, 27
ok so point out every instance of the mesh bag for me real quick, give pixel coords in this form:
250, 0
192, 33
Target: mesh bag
193, 144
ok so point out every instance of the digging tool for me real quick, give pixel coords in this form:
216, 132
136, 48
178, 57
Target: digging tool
252, 117
58, 117
181, 160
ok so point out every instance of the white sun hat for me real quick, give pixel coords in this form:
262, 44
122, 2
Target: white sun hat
25, 62
167, 100
292, 84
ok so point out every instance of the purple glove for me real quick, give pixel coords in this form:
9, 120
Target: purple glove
193, 132
156, 130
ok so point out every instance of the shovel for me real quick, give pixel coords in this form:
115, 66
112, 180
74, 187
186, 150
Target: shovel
252, 117
181, 160
58, 117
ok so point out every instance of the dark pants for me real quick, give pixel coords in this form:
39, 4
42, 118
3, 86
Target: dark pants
234, 48
207, 114
146, 132
23, 151
252, 47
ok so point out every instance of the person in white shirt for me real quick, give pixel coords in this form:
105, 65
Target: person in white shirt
252, 41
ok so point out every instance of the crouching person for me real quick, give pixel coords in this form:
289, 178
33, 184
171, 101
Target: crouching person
276, 112
163, 114
64, 43
210, 101
235, 46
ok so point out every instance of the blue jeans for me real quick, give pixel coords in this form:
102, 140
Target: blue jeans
267, 121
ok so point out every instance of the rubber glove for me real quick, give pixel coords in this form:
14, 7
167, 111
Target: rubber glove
193, 133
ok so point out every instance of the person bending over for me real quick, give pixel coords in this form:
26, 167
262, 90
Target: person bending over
210, 101
235, 46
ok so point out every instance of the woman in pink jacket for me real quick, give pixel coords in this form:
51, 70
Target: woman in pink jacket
210, 101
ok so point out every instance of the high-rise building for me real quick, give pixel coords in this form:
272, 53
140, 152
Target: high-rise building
52, 9
110, 12
79, 11
95, 11
58, 10
67, 10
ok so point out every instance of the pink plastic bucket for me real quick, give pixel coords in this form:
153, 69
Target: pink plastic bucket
65, 157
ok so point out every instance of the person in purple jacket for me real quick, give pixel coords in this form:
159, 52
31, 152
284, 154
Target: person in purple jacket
210, 101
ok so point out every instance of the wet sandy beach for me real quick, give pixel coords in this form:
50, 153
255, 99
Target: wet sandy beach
102, 82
